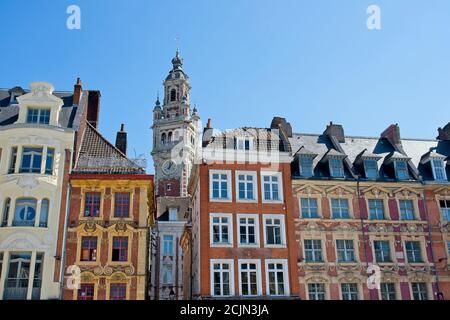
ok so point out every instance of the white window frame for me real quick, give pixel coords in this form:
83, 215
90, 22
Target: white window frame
357, 288
421, 251
284, 263
322, 252
309, 207
414, 211
346, 251
173, 213
230, 262
365, 161
280, 186
444, 174
229, 194
283, 230
391, 252
300, 167
325, 292
341, 167
396, 291
241, 140
427, 290
396, 162
255, 185
238, 223
349, 207
230, 229
258, 275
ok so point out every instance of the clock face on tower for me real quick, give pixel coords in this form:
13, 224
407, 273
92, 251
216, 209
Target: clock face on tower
169, 167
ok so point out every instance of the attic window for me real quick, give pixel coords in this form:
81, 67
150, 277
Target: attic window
336, 168
438, 167
306, 166
244, 143
37, 115
371, 169
173, 214
401, 170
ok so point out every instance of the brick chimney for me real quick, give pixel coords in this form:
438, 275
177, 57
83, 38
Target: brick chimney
121, 139
207, 133
93, 108
77, 89
281, 123
392, 134
335, 130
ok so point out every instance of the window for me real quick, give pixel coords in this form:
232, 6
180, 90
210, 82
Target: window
336, 168
41, 116
168, 245
173, 95
25, 212
376, 209
349, 291
173, 213
92, 204
86, 291
309, 208
445, 209
306, 166
118, 291
1, 263
120, 249
49, 161
371, 169
220, 185
37, 280
163, 138
16, 285
248, 230
5, 216
419, 290
274, 231
340, 208
276, 277
12, 160
406, 210
316, 291
439, 173
388, 291
313, 250
271, 186
345, 250
88, 249
382, 251
31, 160
122, 205
249, 276
246, 186
222, 283
167, 274
401, 170
244, 143
448, 248
221, 229
43, 219
413, 251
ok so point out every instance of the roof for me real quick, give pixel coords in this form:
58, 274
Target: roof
98, 155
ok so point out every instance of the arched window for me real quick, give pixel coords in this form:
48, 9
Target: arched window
173, 95
6, 212
43, 219
163, 138
169, 137
25, 212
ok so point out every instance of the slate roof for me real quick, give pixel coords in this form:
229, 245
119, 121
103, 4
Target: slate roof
98, 155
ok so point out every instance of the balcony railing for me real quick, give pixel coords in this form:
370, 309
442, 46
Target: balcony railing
16, 289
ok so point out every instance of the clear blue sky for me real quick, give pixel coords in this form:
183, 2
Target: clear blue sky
248, 60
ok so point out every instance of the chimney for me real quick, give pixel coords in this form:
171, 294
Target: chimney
77, 89
121, 139
335, 130
444, 134
209, 125
392, 134
93, 107
207, 133
281, 123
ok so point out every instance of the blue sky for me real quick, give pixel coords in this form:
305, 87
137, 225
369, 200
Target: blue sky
248, 60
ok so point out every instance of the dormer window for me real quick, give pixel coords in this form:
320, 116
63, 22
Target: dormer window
38, 115
306, 166
173, 214
336, 168
244, 143
371, 169
438, 167
401, 170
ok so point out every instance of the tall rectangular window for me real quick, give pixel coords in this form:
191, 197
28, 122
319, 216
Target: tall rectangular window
316, 291
118, 291
445, 209
86, 291
49, 161
271, 187
336, 168
37, 115
276, 278
413, 251
371, 169
88, 249
419, 290
376, 209
92, 204
248, 229
122, 204
274, 230
173, 214
37, 280
16, 285
1, 263
249, 275
406, 210
349, 291
382, 251
244, 143
221, 229
221, 278
340, 208
306, 166
401, 170
12, 160
345, 250
167, 273
168, 245
439, 173
31, 160
120, 249
246, 186
388, 291
309, 208
313, 250
219, 186
6, 209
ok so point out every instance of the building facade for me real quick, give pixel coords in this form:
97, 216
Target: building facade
108, 229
